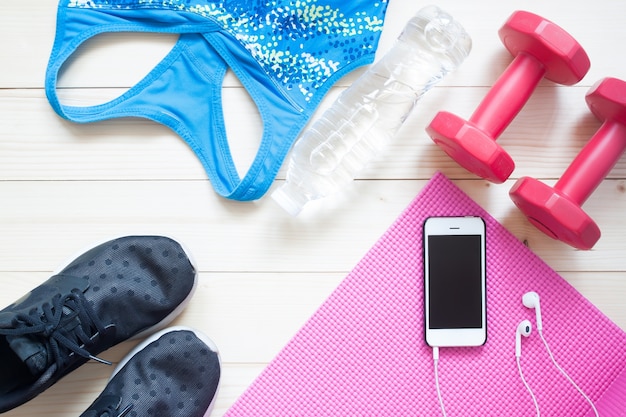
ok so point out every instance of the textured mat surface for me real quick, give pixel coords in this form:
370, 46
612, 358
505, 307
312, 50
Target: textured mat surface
363, 352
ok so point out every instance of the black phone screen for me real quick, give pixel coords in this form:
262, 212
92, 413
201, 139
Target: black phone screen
455, 283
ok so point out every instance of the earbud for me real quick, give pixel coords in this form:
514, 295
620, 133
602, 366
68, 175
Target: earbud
523, 329
531, 300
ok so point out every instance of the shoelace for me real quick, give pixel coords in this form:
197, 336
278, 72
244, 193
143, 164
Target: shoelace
112, 412
50, 321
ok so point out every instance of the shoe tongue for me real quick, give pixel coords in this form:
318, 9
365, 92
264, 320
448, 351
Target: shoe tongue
31, 348
33, 353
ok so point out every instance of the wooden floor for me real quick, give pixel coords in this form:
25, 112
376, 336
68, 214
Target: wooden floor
64, 186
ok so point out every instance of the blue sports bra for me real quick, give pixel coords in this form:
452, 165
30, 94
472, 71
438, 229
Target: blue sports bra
287, 54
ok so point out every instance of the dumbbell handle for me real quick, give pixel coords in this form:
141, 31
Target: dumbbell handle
594, 162
508, 95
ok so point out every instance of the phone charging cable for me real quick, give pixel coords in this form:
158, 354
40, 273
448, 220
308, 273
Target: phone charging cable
436, 366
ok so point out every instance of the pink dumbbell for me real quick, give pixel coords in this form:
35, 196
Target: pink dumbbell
557, 211
541, 49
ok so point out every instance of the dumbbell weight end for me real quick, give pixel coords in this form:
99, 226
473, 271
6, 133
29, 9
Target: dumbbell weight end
554, 213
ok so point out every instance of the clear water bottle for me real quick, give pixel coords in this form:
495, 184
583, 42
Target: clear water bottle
368, 114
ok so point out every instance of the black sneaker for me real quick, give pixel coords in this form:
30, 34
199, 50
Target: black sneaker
173, 373
124, 288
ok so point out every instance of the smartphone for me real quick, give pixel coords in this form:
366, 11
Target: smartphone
455, 281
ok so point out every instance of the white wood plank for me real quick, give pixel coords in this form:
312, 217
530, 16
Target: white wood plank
236, 310
35, 144
45, 222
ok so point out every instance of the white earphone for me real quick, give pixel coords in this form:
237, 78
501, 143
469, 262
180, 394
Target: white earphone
531, 300
523, 329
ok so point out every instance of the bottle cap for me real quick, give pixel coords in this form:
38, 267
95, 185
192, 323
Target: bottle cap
291, 198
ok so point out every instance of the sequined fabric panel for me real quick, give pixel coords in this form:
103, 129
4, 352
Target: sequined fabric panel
299, 43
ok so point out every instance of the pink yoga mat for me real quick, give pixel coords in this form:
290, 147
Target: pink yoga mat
363, 352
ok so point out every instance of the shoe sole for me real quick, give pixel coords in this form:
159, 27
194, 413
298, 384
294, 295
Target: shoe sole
154, 337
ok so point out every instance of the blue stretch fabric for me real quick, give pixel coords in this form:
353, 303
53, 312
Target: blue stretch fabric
287, 54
